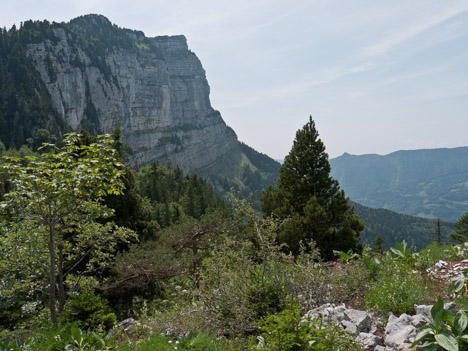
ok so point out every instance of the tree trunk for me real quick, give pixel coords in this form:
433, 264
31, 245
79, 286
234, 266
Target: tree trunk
53, 310
196, 269
61, 287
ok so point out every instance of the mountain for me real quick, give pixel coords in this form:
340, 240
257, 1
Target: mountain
90, 74
395, 227
427, 183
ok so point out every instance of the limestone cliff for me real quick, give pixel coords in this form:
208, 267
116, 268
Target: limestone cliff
154, 89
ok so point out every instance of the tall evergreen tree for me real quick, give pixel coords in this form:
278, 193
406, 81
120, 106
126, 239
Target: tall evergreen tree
438, 232
461, 229
378, 244
311, 201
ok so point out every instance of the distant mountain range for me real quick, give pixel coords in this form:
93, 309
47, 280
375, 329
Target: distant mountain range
426, 183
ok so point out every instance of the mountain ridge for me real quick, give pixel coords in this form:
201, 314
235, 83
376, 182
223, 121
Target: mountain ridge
430, 183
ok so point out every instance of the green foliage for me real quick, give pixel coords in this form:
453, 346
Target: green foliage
26, 104
69, 337
402, 251
89, 310
447, 332
345, 256
11, 344
460, 286
433, 253
397, 292
132, 210
461, 230
174, 197
178, 251
306, 194
237, 288
289, 331
378, 244
56, 199
193, 342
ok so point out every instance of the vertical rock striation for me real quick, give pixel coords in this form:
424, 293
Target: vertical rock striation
154, 89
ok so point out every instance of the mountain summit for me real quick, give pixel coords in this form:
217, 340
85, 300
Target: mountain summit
98, 76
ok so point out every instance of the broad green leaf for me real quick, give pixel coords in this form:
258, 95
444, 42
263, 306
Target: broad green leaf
423, 332
99, 338
458, 285
461, 321
429, 346
447, 341
396, 252
435, 310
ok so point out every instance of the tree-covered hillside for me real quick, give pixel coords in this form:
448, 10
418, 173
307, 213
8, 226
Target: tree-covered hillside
25, 102
425, 183
395, 227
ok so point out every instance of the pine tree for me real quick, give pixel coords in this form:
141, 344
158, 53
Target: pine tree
312, 202
461, 229
438, 232
378, 244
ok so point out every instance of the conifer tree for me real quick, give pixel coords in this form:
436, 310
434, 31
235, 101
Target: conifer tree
461, 229
378, 244
312, 202
438, 232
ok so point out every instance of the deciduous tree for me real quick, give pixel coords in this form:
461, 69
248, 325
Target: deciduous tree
59, 196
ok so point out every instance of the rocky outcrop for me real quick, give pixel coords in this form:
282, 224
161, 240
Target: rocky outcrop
154, 89
396, 333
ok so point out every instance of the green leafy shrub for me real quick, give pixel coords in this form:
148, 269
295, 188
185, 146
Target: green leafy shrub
397, 293
69, 337
90, 311
193, 342
52, 339
447, 332
433, 253
236, 289
402, 251
345, 256
460, 286
288, 331
11, 344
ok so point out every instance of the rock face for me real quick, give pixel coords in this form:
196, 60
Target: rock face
399, 332
154, 89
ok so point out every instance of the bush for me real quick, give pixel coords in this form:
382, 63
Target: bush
69, 337
239, 285
433, 253
53, 339
288, 331
90, 311
193, 342
397, 293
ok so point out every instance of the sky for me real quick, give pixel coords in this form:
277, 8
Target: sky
376, 76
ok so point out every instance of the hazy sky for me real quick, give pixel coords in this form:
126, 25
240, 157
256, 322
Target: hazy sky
377, 76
